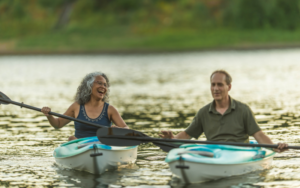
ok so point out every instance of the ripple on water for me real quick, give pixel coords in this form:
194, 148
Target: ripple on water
279, 184
263, 118
24, 120
169, 114
4, 123
164, 124
43, 124
142, 123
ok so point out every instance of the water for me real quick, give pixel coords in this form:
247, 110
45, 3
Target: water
152, 93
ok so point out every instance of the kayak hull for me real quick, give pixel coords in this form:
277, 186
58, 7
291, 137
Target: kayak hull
201, 172
95, 158
201, 163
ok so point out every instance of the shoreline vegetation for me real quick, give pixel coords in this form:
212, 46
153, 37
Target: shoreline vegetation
214, 40
156, 26
138, 51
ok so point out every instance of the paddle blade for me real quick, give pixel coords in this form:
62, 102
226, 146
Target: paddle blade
4, 98
119, 132
129, 137
167, 146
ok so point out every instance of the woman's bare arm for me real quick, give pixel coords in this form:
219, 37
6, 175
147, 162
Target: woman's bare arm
115, 117
60, 122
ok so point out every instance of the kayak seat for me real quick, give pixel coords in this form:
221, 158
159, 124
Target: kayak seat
86, 144
72, 147
216, 146
217, 154
206, 152
78, 146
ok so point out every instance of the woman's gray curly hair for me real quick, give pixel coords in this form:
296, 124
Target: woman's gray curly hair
84, 90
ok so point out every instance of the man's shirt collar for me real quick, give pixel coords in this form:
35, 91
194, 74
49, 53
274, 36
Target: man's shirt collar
212, 107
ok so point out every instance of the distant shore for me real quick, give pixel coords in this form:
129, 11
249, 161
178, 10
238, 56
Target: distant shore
174, 41
147, 51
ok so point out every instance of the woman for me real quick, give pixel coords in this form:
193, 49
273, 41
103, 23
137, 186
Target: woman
90, 105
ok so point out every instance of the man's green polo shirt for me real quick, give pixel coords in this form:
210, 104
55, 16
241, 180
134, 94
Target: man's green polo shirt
235, 125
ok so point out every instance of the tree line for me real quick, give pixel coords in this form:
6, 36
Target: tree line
41, 15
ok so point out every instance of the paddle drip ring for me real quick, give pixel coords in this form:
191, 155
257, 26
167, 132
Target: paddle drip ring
22, 104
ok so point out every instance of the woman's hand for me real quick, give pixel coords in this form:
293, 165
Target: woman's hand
46, 111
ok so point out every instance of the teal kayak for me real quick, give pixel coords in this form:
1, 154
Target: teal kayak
195, 163
88, 154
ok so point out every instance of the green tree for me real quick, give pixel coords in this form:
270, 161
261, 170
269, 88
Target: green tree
285, 14
251, 14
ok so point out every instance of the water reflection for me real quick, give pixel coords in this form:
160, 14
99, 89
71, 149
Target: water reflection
153, 93
246, 181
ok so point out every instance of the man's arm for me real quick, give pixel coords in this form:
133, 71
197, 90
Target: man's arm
261, 138
253, 129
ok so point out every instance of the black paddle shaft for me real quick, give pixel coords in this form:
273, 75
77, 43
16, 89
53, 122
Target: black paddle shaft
22, 105
128, 137
164, 146
6, 100
122, 140
105, 136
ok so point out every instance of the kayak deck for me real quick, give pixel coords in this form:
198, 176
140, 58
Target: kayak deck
198, 163
81, 145
88, 154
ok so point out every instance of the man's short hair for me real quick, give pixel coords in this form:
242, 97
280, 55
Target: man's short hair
228, 78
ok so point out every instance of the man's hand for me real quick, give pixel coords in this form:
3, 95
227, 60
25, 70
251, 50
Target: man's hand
281, 147
167, 134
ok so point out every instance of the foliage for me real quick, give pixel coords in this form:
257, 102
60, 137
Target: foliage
245, 14
136, 19
285, 15
253, 14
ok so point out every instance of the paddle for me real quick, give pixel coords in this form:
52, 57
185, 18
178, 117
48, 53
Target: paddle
129, 137
5, 100
165, 146
115, 137
106, 134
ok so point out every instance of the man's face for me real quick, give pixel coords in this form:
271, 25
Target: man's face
218, 87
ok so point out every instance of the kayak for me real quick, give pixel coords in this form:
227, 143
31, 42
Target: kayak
88, 154
195, 163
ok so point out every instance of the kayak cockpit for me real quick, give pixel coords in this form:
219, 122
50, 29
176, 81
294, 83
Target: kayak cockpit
218, 154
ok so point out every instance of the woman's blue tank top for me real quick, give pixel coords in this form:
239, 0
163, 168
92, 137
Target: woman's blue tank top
83, 130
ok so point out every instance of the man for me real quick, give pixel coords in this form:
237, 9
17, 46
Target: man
225, 119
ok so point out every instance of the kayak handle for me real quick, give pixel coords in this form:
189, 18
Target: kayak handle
182, 166
95, 154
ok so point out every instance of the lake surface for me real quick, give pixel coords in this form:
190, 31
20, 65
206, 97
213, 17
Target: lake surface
152, 93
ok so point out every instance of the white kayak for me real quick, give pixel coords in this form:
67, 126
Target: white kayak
199, 163
88, 154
